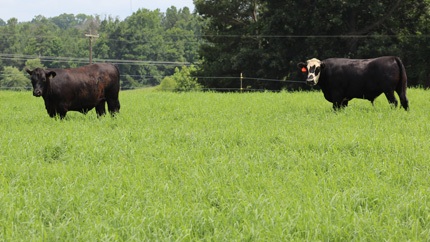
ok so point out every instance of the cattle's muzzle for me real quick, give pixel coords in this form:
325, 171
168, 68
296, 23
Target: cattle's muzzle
310, 82
37, 93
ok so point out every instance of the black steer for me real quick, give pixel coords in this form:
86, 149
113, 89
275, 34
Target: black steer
344, 79
78, 89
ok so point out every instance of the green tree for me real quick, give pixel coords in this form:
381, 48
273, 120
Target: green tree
145, 36
184, 79
14, 79
232, 44
34, 63
9, 40
181, 81
65, 21
268, 38
150, 36
167, 84
182, 30
43, 42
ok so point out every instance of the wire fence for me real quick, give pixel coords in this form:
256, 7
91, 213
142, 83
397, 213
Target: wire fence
23, 57
243, 90
27, 88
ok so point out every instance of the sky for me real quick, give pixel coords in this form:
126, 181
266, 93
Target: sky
26, 10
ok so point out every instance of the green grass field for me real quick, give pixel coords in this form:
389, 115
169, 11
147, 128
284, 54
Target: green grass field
216, 167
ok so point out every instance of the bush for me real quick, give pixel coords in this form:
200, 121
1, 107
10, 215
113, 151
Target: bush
14, 79
167, 84
181, 81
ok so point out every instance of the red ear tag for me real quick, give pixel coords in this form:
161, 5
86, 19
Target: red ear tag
304, 69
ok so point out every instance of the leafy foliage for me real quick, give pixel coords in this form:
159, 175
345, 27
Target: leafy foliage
268, 38
161, 39
15, 79
167, 84
34, 63
181, 80
232, 46
151, 36
12, 77
184, 79
224, 38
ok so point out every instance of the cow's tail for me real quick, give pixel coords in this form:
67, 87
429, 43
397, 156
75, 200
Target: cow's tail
402, 84
117, 72
112, 94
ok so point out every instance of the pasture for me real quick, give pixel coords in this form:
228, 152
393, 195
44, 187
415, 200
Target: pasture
216, 167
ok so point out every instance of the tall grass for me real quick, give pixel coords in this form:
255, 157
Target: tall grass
210, 166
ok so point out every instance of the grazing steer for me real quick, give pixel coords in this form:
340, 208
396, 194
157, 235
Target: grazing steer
78, 89
344, 79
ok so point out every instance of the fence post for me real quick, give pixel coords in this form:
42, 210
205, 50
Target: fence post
241, 79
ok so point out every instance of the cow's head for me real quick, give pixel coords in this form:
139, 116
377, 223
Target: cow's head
40, 80
313, 68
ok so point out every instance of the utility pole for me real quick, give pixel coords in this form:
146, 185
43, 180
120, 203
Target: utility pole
91, 36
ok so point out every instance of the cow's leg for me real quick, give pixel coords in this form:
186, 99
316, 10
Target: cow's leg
391, 98
339, 103
100, 108
405, 102
344, 103
52, 114
336, 106
113, 106
61, 109
62, 114
403, 99
51, 111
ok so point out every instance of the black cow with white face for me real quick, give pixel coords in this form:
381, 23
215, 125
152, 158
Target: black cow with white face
344, 79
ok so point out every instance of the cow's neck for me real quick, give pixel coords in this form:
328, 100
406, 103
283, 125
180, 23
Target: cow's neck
48, 91
325, 87
322, 83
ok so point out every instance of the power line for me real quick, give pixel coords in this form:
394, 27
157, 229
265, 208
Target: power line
85, 60
199, 36
323, 36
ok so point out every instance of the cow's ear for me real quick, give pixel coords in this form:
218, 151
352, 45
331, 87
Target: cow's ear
302, 66
322, 65
51, 74
28, 71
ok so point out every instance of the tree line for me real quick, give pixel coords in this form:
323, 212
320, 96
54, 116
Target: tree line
263, 40
266, 39
147, 46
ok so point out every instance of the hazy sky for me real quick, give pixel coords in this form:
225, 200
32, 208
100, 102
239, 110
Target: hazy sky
26, 10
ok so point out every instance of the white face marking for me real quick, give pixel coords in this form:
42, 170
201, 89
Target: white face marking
314, 71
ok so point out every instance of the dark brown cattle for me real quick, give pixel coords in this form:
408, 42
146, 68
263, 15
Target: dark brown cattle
344, 79
78, 89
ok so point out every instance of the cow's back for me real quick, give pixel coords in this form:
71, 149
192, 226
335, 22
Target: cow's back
97, 76
360, 78
83, 88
